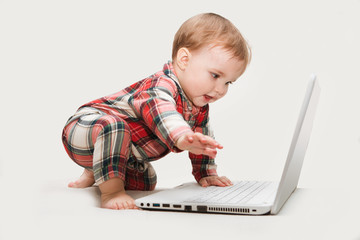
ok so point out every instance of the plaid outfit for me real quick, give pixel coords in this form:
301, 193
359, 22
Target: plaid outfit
120, 134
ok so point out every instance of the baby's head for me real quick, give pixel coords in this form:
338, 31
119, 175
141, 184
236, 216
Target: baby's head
209, 53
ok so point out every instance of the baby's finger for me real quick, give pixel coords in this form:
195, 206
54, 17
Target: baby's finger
215, 144
217, 182
219, 146
210, 152
226, 181
203, 182
210, 142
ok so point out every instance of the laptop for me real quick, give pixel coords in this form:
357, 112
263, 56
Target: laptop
245, 197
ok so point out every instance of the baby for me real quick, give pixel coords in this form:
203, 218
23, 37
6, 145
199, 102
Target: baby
116, 137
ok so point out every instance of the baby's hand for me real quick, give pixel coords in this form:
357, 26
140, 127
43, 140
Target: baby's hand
198, 143
215, 181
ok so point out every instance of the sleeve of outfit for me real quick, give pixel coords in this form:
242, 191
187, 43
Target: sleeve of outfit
203, 165
156, 106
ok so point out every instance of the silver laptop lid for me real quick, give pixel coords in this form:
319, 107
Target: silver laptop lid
301, 137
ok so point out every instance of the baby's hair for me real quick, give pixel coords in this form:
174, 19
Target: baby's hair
211, 28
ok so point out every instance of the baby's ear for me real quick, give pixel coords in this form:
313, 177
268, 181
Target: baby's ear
182, 58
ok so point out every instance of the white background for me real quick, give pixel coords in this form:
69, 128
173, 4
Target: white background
57, 55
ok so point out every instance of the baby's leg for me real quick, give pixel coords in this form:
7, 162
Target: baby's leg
103, 143
111, 153
85, 180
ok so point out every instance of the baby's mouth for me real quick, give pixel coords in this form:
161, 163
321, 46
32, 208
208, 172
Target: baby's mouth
208, 98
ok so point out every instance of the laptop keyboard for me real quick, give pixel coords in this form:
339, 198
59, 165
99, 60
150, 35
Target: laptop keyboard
239, 193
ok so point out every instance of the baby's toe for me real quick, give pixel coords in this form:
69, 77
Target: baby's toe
132, 205
129, 205
114, 206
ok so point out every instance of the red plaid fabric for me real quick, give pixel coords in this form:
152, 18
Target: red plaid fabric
148, 116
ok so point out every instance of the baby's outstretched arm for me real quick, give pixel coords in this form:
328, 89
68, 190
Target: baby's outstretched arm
198, 143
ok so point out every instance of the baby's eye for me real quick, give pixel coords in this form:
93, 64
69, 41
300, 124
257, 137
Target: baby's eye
229, 83
214, 75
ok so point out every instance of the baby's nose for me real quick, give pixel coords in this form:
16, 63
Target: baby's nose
220, 90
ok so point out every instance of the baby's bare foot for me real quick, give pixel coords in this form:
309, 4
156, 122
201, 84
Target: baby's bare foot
113, 195
117, 201
85, 180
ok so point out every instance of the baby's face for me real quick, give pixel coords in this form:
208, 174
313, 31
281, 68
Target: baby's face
208, 74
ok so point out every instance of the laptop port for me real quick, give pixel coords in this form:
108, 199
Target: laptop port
202, 208
156, 204
166, 205
188, 208
177, 206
